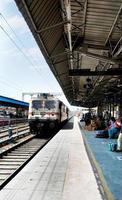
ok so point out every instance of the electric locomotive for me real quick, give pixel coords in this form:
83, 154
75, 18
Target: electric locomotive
46, 112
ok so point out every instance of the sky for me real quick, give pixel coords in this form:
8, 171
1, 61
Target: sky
22, 66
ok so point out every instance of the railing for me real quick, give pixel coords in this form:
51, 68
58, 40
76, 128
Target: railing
4, 121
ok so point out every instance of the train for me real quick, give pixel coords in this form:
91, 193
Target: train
46, 113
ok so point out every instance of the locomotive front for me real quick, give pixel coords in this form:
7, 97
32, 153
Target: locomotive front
43, 114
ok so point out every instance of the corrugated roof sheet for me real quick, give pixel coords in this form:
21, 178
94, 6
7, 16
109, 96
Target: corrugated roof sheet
95, 31
13, 101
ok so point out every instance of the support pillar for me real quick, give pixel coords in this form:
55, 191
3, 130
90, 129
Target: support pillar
100, 110
120, 110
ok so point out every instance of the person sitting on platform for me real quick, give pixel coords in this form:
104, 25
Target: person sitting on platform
114, 128
99, 123
112, 131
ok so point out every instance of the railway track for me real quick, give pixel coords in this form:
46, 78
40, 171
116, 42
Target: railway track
15, 154
17, 132
12, 161
14, 128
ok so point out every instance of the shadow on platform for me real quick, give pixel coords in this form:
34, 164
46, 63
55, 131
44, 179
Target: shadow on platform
68, 125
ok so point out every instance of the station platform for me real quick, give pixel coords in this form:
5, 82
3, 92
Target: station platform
60, 171
107, 163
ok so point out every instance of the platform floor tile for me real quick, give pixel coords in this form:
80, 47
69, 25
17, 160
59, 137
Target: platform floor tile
60, 171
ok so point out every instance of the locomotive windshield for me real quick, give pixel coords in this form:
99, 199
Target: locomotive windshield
48, 104
36, 104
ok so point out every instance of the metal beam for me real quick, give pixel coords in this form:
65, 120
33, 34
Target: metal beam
91, 46
68, 15
99, 57
77, 12
84, 16
60, 61
95, 46
119, 50
88, 72
114, 23
77, 27
59, 54
79, 3
52, 27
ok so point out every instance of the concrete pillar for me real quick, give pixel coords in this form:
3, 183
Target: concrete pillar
113, 110
100, 109
110, 109
120, 110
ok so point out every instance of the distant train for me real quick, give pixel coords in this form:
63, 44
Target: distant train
46, 113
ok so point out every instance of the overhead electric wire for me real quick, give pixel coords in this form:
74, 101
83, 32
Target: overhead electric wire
19, 49
10, 26
9, 82
17, 46
19, 41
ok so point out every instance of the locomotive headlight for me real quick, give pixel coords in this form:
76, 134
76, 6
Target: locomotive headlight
52, 116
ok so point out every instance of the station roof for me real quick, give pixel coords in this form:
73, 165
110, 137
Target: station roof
13, 102
81, 41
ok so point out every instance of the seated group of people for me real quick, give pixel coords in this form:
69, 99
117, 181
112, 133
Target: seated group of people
111, 130
104, 127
